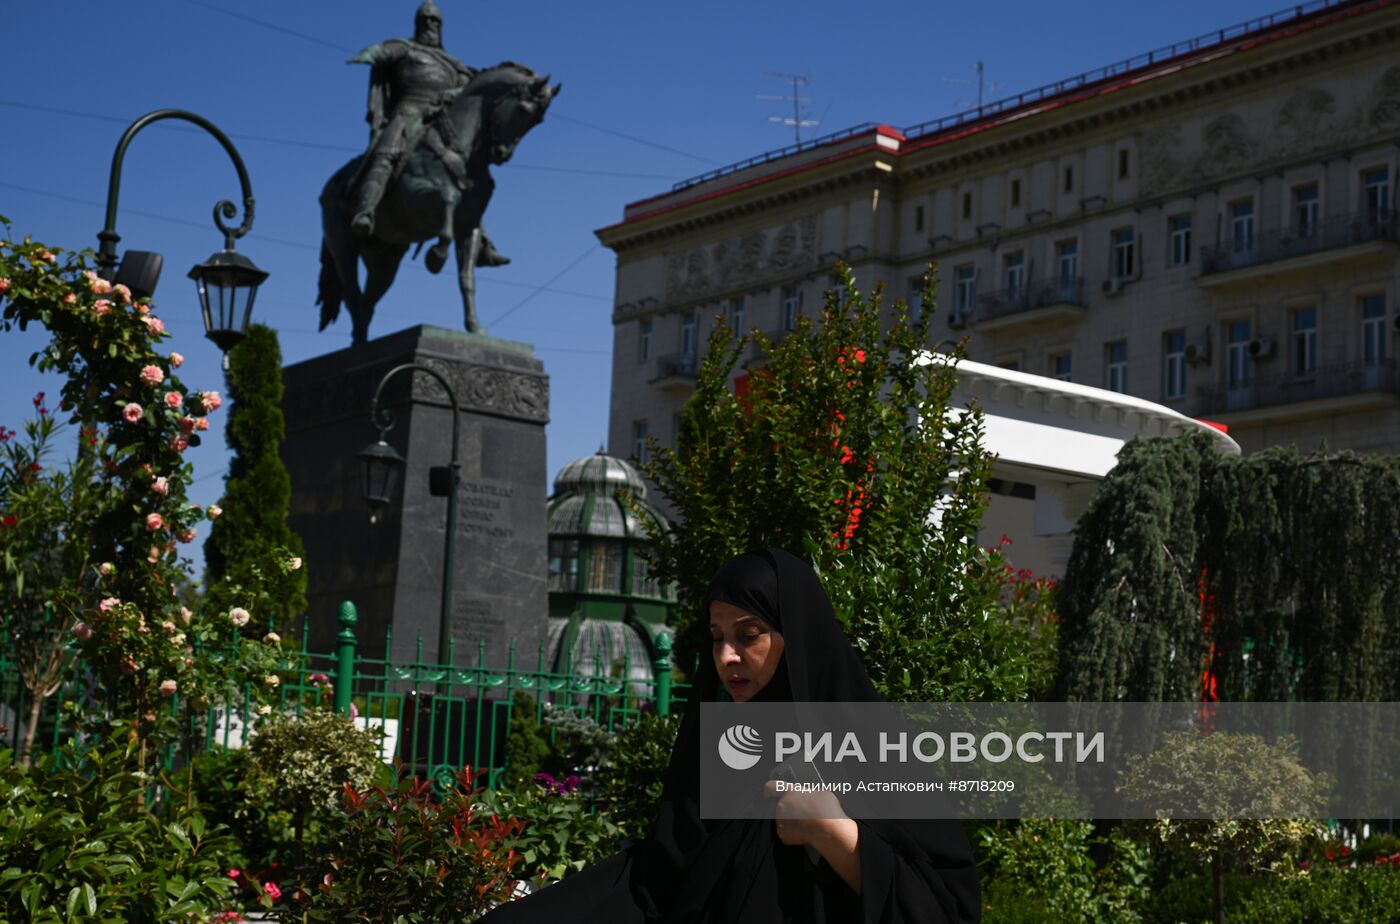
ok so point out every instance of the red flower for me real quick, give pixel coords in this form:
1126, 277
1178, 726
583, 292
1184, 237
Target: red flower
9, 519
860, 356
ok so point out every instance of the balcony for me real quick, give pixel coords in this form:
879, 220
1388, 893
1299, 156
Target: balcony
1330, 389
676, 371
1039, 302
1344, 240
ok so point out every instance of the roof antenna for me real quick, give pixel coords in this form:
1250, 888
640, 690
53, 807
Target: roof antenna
983, 88
795, 120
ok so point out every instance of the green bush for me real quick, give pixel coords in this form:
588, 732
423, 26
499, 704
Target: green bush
401, 855
526, 745
78, 843
628, 784
1190, 899
560, 834
1325, 895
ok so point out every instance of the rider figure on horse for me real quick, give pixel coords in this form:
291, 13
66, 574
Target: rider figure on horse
409, 83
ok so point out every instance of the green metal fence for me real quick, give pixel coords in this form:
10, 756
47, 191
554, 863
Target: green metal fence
435, 718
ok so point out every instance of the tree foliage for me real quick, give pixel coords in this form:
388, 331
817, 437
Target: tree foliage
1273, 575
252, 530
845, 448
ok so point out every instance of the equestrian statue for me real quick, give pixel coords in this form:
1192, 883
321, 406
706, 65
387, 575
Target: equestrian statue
436, 125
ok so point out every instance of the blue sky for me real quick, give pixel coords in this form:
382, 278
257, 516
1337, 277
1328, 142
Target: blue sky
653, 93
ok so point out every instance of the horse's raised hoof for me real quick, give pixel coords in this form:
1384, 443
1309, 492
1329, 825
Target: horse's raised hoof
490, 256
363, 225
437, 257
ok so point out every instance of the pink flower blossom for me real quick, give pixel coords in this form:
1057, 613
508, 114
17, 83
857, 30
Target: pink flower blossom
211, 401
185, 535
154, 325
106, 606
161, 486
179, 444
152, 375
4, 284
154, 521
272, 891
215, 511
235, 873
239, 616
97, 284
185, 615
168, 688
173, 399
201, 423
124, 292
82, 631
187, 425
153, 555
106, 568
101, 307
70, 299
176, 360
132, 412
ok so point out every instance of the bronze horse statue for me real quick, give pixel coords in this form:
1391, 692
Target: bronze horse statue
440, 189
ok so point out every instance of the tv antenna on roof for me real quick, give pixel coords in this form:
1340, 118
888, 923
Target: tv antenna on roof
795, 120
983, 87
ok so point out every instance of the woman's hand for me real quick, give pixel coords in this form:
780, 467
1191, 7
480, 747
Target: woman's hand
817, 820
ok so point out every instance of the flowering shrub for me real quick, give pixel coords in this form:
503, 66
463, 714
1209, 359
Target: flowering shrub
402, 855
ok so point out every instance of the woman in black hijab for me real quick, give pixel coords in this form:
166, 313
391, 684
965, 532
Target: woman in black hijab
691, 870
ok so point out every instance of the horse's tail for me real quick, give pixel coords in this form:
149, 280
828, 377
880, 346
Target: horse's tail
329, 295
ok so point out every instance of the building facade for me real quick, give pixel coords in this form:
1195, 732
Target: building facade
1210, 227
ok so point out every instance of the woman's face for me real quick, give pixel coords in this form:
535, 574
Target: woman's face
746, 649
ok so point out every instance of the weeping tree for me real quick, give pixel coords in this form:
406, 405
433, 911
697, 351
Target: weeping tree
250, 544
1201, 575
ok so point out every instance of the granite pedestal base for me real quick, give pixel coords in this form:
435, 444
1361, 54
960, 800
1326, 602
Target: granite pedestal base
392, 569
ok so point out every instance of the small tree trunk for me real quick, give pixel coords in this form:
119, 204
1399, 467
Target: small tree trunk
1217, 868
31, 728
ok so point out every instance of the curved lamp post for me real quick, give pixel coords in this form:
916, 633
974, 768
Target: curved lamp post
380, 465
227, 282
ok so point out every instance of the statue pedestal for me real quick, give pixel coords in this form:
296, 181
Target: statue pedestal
392, 569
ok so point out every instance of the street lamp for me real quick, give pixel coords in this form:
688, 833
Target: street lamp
379, 468
227, 282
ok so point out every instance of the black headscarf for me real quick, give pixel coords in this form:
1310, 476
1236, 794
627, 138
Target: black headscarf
691, 870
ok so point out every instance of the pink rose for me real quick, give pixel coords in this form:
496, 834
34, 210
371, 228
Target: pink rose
187, 425
101, 307
124, 292
143, 308
132, 412
48, 256
153, 556
173, 399
106, 568
154, 325
70, 299
152, 375
167, 688
97, 284
176, 360
161, 486
106, 606
272, 891
154, 521
179, 444
211, 401
185, 535
215, 511
4, 284
82, 631
202, 423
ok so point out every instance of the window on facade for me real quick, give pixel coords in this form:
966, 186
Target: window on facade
1062, 366
1116, 366
1013, 364
688, 325
791, 306
1067, 261
1237, 336
1015, 193
1179, 228
643, 340
916, 298
964, 287
1015, 273
1373, 329
563, 564
1305, 210
737, 320
1242, 225
639, 439
1124, 252
644, 581
967, 205
1375, 193
918, 218
1304, 340
1069, 179
605, 567
1124, 163
1174, 363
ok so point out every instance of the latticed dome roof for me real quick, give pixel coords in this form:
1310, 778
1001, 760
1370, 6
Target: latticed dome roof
586, 502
